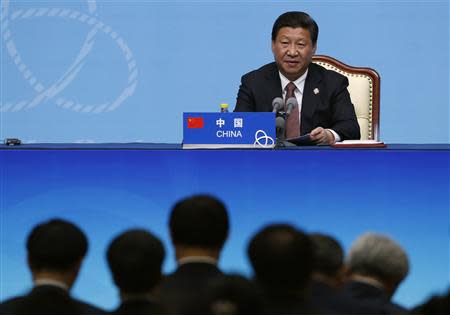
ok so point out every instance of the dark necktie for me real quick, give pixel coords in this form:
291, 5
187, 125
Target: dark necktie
293, 121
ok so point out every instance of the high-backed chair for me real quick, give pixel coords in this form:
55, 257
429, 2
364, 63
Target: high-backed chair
364, 89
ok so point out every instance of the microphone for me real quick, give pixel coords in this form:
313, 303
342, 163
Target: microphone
280, 124
277, 104
291, 103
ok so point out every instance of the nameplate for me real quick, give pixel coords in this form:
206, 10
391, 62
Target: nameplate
228, 130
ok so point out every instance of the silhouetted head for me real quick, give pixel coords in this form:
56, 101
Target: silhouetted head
56, 245
199, 221
282, 257
380, 257
135, 259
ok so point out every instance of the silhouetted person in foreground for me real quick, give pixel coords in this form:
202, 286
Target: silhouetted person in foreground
436, 305
282, 258
198, 229
135, 259
55, 250
329, 268
329, 276
377, 265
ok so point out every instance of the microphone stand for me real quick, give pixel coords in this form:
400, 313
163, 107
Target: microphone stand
280, 130
280, 123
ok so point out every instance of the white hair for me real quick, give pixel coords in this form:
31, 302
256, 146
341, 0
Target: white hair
379, 256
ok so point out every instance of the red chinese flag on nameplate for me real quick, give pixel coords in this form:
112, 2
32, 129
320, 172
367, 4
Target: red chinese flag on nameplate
195, 122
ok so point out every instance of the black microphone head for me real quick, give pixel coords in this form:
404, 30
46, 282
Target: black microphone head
291, 103
280, 122
280, 125
277, 104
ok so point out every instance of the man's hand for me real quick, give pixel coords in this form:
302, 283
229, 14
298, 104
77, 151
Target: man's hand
322, 136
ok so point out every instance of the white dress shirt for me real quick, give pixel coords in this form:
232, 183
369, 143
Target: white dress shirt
52, 282
298, 93
196, 259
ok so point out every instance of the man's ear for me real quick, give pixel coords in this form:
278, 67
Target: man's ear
314, 49
72, 273
77, 265
341, 276
30, 266
273, 46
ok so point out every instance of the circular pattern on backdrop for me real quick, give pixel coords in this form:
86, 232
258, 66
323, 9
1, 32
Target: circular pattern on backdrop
54, 90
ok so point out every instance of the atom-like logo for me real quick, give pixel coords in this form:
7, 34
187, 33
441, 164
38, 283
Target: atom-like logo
262, 135
53, 91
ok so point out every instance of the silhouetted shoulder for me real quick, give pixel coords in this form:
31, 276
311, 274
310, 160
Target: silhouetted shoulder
6, 307
24, 304
89, 309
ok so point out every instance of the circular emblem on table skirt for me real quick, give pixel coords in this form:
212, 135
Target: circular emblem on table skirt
262, 139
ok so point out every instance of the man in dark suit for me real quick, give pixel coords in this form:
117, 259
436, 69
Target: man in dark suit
56, 249
329, 276
282, 258
329, 271
377, 265
324, 106
436, 305
135, 258
198, 229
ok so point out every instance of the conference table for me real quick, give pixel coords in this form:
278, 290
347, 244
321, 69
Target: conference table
401, 190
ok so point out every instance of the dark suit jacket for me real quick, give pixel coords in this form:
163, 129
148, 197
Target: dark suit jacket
330, 108
324, 296
45, 300
182, 289
287, 303
374, 297
139, 307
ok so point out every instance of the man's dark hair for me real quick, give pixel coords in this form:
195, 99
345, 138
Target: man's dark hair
200, 221
296, 19
56, 245
135, 258
282, 257
328, 253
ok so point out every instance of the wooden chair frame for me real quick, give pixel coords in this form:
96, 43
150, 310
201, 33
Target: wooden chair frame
374, 79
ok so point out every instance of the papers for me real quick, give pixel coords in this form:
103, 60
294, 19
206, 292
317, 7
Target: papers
359, 144
302, 140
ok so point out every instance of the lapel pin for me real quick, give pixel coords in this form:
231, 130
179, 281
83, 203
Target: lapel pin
316, 91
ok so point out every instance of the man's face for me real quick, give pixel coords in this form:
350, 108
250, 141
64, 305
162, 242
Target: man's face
293, 51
